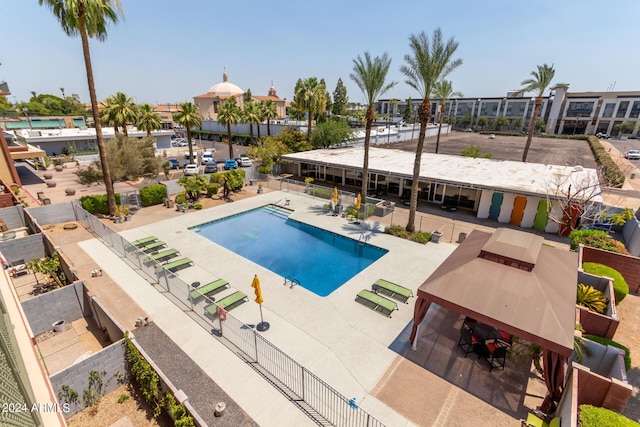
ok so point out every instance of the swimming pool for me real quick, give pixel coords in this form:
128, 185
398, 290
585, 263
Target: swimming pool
320, 260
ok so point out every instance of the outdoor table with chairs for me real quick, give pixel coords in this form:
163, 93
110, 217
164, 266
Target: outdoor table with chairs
485, 340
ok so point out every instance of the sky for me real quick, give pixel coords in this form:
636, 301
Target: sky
168, 51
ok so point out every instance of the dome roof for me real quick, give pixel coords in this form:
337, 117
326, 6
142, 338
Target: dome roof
225, 88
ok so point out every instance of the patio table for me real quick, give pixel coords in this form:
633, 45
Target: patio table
485, 332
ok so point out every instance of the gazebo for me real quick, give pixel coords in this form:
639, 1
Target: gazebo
510, 280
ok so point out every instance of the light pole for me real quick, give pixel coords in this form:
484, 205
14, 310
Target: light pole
26, 113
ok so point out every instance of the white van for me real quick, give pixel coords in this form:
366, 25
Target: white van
187, 158
207, 157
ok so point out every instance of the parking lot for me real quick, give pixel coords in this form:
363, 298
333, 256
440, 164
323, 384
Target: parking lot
543, 150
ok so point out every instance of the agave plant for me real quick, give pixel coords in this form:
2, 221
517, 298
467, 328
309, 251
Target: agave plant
591, 298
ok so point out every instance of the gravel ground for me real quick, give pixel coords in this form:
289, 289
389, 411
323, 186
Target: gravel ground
203, 392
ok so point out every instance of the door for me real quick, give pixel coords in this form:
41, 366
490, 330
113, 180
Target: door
540, 222
496, 202
518, 210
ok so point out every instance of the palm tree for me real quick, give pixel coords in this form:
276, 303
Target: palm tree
251, 115
89, 18
270, 111
189, 117
430, 62
540, 83
309, 97
149, 119
126, 111
229, 114
443, 91
370, 74
108, 114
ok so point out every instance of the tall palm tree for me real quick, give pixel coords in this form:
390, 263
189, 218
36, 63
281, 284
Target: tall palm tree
431, 60
251, 115
89, 19
148, 119
443, 91
229, 114
370, 75
126, 111
309, 97
540, 83
270, 111
189, 117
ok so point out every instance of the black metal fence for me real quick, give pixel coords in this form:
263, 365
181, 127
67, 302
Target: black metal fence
301, 384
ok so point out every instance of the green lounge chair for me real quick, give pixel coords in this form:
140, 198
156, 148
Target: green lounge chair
209, 288
165, 255
176, 265
379, 303
396, 292
145, 241
153, 247
227, 302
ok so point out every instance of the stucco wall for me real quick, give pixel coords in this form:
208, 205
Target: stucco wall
52, 214
66, 304
628, 266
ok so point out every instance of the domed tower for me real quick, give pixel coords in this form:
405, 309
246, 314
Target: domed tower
209, 103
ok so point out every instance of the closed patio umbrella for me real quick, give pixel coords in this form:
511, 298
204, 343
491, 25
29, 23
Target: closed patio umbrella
262, 326
358, 203
335, 195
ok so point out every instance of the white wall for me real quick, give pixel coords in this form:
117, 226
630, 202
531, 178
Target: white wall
530, 211
485, 203
506, 208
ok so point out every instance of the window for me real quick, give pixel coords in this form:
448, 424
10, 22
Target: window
579, 108
635, 110
622, 108
516, 109
608, 110
489, 109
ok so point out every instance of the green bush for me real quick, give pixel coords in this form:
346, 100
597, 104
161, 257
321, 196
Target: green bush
610, 169
322, 192
97, 204
264, 169
197, 206
415, 236
593, 416
212, 189
235, 178
620, 286
537, 135
607, 341
596, 239
181, 199
153, 195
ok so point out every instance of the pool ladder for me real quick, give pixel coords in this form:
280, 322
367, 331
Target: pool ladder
291, 281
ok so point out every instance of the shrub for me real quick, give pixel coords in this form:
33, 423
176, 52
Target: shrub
88, 176
610, 169
153, 195
607, 341
212, 189
620, 286
592, 416
264, 169
197, 206
591, 298
597, 239
415, 236
420, 237
97, 203
234, 177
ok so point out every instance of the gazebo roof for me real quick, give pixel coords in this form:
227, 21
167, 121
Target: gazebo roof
510, 280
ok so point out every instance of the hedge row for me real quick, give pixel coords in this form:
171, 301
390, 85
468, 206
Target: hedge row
610, 169
153, 195
620, 286
537, 135
219, 136
97, 204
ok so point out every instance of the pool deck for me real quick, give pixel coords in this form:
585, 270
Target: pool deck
354, 349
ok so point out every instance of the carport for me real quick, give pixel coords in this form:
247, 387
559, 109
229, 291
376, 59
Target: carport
509, 280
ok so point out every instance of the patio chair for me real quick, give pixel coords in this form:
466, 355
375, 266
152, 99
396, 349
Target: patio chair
397, 292
209, 288
153, 247
145, 241
227, 303
165, 255
378, 303
534, 421
176, 265
496, 355
468, 343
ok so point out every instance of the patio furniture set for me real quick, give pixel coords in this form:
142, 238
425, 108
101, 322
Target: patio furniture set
486, 341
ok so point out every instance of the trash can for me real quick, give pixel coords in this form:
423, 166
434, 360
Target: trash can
170, 203
252, 182
461, 237
436, 236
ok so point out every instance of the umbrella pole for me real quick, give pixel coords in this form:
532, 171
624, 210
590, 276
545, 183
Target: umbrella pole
262, 326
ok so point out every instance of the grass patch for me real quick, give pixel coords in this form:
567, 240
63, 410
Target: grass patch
592, 416
620, 286
414, 236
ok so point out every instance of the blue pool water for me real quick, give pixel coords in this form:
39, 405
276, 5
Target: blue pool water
320, 260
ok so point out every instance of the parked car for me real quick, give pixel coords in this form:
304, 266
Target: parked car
179, 142
192, 169
244, 162
210, 167
207, 157
187, 157
230, 164
492, 136
174, 163
632, 155
602, 135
